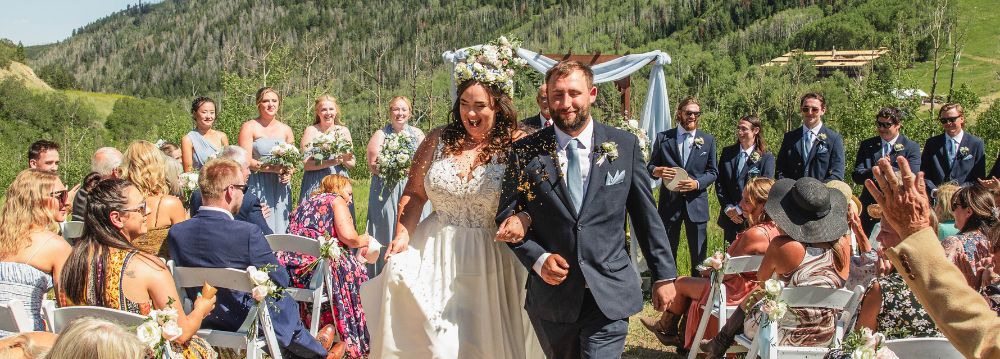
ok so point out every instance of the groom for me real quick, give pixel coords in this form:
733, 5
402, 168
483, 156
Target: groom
576, 180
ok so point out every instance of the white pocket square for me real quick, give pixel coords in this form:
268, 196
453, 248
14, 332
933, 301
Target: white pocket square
614, 178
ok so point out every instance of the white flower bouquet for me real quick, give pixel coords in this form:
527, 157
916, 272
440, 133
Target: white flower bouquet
327, 147
159, 329
395, 157
862, 344
773, 306
284, 155
632, 126
189, 183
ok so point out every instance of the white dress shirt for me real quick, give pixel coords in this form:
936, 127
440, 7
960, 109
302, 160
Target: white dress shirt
682, 144
892, 143
217, 209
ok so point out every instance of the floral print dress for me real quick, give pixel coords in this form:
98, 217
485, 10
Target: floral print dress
314, 218
902, 316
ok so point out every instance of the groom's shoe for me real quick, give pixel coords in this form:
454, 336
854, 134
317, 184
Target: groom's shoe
665, 329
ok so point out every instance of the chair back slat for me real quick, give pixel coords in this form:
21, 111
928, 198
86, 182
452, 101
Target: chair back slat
13, 317
929, 348
293, 243
743, 264
61, 317
72, 229
816, 297
229, 278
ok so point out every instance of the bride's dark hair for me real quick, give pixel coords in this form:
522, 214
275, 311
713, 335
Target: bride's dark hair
498, 139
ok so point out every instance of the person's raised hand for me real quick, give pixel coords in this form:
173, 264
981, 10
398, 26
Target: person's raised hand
554, 269
903, 198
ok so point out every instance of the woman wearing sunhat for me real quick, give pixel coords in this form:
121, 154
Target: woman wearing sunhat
812, 251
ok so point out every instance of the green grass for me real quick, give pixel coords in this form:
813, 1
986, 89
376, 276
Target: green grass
980, 63
103, 103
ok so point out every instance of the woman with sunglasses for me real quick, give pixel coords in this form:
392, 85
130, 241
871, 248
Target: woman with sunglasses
970, 249
106, 269
813, 150
145, 166
954, 155
31, 253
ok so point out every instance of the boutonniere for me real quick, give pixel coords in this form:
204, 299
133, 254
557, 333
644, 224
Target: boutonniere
607, 150
964, 151
754, 157
698, 142
897, 147
821, 137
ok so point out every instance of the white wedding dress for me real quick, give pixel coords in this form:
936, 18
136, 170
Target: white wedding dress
455, 293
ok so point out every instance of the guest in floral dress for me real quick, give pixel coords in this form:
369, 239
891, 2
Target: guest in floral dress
973, 208
890, 308
326, 214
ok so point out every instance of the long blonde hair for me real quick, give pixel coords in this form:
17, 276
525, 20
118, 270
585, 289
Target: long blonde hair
25, 209
757, 190
327, 97
144, 166
92, 338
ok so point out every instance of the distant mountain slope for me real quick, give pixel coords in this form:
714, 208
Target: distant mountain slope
23, 73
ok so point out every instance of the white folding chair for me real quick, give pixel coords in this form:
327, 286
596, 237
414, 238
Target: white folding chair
61, 317
237, 280
717, 305
72, 229
13, 317
927, 348
319, 290
765, 343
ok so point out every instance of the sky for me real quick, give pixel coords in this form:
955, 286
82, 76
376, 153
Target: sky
37, 22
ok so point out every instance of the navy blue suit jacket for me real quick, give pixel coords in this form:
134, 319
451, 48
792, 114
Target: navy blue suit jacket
995, 172
870, 151
249, 210
964, 169
211, 239
825, 158
593, 240
729, 186
700, 166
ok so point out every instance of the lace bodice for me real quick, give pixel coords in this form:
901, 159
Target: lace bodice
470, 202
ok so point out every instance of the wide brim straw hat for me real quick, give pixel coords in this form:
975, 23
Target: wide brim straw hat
847, 191
807, 210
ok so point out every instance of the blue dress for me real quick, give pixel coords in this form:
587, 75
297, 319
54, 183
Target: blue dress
203, 150
382, 211
312, 179
268, 187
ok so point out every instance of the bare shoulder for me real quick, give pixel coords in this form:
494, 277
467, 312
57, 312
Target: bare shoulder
146, 265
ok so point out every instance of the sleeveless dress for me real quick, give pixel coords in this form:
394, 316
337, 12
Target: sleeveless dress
805, 327
314, 218
114, 298
27, 284
155, 240
902, 316
738, 287
382, 202
268, 187
455, 293
203, 149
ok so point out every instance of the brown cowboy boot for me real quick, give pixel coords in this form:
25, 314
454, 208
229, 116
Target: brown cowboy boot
665, 329
716, 347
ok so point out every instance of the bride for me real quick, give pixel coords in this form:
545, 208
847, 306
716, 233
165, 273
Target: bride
450, 290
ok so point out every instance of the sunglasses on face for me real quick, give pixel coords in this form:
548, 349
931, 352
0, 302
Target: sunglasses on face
692, 113
241, 187
945, 120
807, 109
881, 124
62, 195
141, 208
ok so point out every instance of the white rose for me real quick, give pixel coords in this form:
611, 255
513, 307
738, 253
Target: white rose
258, 277
171, 331
885, 353
402, 158
863, 353
149, 333
633, 123
773, 286
260, 292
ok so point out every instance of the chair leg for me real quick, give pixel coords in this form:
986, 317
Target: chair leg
317, 306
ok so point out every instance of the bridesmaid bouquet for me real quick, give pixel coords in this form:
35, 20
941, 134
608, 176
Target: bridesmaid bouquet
159, 329
395, 157
284, 155
189, 183
327, 147
630, 125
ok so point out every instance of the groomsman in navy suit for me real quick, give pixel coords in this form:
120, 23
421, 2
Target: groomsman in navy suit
889, 143
954, 155
694, 151
746, 159
541, 120
812, 150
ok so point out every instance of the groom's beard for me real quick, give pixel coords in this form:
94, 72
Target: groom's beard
573, 124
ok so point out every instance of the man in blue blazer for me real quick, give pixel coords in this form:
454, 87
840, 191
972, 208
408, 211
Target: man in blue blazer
214, 239
889, 143
251, 209
746, 159
812, 150
954, 155
694, 151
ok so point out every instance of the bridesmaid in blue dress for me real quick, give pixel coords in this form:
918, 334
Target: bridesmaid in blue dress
327, 121
203, 142
258, 136
383, 199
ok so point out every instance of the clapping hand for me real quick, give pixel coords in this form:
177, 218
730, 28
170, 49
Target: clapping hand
554, 269
513, 228
903, 198
992, 183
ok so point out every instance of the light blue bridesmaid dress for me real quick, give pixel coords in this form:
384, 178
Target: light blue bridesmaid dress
268, 187
203, 150
382, 212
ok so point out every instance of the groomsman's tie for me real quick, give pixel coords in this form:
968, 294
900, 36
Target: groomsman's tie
574, 181
807, 143
742, 162
886, 151
685, 149
951, 149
